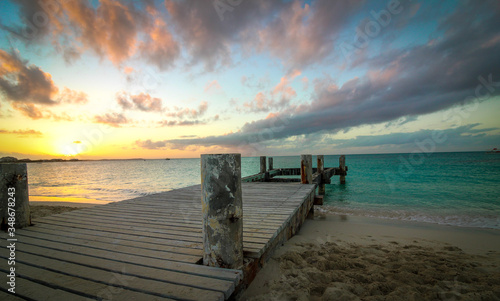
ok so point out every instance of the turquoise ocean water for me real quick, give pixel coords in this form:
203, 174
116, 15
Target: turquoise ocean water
460, 189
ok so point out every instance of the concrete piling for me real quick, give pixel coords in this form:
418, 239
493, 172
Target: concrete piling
306, 169
342, 169
321, 167
222, 210
263, 164
14, 195
270, 163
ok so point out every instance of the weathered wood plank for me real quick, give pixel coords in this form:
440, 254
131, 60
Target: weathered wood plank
162, 243
90, 289
29, 290
4, 296
140, 278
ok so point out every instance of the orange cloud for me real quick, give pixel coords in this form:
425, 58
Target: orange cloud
160, 48
22, 133
128, 70
283, 86
116, 30
112, 119
27, 86
29, 110
23, 83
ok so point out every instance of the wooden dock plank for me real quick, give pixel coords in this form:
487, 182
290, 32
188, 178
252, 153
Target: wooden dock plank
4, 296
26, 290
147, 280
156, 240
80, 286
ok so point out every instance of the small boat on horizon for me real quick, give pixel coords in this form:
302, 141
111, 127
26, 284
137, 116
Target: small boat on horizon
495, 150
167, 159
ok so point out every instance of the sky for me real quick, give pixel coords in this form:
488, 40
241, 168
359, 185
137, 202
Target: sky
176, 79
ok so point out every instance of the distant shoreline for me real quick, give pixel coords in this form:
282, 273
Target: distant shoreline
15, 160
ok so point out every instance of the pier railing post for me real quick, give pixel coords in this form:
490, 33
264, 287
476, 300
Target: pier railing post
342, 169
270, 163
14, 198
306, 169
263, 164
222, 210
321, 168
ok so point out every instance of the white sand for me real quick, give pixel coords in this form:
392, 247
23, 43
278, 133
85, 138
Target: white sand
359, 258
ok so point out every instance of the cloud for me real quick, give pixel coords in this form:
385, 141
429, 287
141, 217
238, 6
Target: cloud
72, 97
27, 87
189, 113
208, 39
22, 133
278, 98
416, 80
213, 87
128, 70
302, 34
115, 30
297, 33
190, 122
28, 110
112, 119
460, 137
148, 144
22, 83
169, 123
160, 48
142, 102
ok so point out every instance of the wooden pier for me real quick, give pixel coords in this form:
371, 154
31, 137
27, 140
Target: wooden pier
151, 247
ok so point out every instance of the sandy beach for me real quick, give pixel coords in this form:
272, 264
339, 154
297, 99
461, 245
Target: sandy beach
50, 206
339, 257
360, 258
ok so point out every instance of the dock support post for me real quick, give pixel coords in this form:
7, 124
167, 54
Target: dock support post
222, 210
14, 194
321, 168
306, 169
270, 159
342, 169
262, 164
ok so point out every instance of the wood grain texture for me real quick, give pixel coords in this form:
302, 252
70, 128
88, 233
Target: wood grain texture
147, 248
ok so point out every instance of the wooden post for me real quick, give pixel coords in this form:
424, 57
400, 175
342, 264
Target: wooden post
14, 194
306, 169
270, 163
263, 164
321, 168
222, 210
342, 169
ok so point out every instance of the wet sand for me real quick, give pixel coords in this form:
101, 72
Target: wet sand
359, 258
45, 206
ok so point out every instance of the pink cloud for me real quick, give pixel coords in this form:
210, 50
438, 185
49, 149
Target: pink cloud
116, 30
160, 47
112, 119
142, 102
190, 113
213, 86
